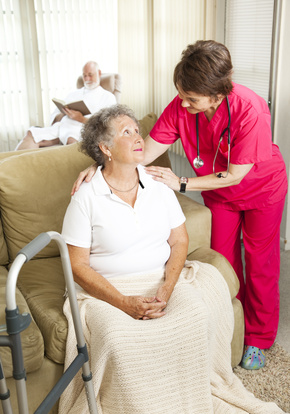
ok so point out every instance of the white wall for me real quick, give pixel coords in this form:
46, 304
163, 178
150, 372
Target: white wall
282, 113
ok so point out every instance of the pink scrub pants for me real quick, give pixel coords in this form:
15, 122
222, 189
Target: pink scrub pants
259, 290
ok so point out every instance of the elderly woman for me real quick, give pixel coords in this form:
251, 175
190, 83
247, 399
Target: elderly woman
158, 328
225, 130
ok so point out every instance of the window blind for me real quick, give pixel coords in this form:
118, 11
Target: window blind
43, 47
70, 33
13, 99
248, 36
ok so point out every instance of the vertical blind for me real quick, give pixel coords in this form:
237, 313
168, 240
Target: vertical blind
151, 43
70, 33
155, 38
248, 36
13, 99
44, 44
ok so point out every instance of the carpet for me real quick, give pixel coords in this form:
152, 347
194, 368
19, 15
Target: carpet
271, 383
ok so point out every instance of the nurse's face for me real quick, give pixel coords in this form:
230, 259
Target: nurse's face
195, 103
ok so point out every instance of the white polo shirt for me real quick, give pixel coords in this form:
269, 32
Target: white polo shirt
124, 240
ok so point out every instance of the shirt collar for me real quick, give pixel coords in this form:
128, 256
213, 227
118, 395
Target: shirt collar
100, 187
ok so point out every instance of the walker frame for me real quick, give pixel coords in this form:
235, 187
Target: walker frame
16, 323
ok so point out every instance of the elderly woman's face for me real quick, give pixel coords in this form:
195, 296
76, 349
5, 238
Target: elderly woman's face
195, 103
128, 145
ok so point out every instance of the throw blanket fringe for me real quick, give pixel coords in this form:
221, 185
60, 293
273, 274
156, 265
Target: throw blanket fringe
177, 364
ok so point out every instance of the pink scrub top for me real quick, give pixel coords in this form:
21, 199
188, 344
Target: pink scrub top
251, 143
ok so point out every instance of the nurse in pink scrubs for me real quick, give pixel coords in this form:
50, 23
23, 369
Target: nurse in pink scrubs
225, 130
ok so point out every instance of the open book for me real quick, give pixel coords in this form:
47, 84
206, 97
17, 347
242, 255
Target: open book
76, 106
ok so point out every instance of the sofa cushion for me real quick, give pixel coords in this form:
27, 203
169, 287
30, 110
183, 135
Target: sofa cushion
32, 185
198, 222
42, 284
147, 123
31, 338
3, 248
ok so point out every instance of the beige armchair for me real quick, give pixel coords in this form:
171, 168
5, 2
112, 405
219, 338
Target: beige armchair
112, 82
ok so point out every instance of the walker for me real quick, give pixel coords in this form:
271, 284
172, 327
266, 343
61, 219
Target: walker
16, 323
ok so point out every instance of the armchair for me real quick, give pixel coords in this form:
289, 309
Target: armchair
112, 82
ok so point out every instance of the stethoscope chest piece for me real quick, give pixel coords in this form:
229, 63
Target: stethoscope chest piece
198, 162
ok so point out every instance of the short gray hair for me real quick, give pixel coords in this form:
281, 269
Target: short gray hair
99, 130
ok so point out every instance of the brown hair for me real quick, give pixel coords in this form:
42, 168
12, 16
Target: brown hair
205, 68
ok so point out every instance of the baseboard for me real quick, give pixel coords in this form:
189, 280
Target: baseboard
284, 244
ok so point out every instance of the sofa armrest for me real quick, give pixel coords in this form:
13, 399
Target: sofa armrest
208, 255
198, 222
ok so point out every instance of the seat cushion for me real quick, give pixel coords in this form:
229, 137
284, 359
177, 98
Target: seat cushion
31, 338
42, 284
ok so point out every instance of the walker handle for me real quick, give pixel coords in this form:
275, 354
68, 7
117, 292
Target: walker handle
35, 246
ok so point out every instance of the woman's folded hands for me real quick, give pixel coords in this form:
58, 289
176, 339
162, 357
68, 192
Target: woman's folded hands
140, 307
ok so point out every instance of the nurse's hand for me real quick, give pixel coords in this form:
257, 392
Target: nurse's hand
85, 175
165, 176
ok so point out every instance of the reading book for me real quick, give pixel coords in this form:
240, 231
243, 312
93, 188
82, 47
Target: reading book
76, 106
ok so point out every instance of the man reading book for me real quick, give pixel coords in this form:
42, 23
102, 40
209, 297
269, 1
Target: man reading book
65, 127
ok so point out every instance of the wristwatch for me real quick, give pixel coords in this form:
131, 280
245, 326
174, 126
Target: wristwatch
183, 181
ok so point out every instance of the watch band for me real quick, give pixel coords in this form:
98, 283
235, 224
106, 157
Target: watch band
183, 181
182, 188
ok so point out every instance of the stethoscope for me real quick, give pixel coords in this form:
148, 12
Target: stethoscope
198, 162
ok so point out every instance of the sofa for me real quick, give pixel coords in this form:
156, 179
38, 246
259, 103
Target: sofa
35, 190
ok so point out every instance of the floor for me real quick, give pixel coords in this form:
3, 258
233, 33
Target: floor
283, 336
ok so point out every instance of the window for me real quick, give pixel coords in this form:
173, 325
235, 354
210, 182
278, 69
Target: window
44, 44
248, 36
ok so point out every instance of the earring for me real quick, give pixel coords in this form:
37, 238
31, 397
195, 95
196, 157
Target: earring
110, 159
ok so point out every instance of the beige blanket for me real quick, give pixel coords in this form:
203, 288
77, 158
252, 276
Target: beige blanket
177, 364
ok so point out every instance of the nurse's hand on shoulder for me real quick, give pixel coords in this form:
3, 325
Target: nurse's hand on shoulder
165, 176
85, 175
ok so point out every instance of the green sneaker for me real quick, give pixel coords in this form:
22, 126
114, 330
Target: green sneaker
253, 358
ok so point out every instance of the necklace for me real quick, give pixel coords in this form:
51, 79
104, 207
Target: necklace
121, 191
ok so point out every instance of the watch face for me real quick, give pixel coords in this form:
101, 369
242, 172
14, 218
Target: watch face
184, 180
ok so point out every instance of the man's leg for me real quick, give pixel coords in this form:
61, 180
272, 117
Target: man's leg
71, 140
49, 143
34, 137
27, 142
